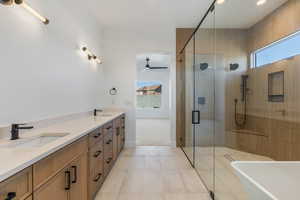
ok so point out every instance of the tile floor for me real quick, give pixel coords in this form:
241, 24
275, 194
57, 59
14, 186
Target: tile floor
152, 173
153, 132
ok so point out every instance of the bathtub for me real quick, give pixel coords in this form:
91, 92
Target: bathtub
269, 180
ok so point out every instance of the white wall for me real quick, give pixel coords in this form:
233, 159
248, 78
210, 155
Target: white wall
162, 76
42, 74
121, 48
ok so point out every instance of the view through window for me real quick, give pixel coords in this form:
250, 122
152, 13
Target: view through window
148, 94
280, 50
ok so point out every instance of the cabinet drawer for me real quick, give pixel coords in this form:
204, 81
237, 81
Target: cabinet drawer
95, 181
108, 146
95, 137
108, 152
50, 166
96, 156
123, 121
108, 128
20, 184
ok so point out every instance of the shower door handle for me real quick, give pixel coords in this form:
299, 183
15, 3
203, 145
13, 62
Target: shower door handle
196, 117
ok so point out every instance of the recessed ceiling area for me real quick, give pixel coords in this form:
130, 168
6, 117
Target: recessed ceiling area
243, 13
157, 15
149, 15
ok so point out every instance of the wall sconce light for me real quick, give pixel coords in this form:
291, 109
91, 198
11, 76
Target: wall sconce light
91, 56
32, 11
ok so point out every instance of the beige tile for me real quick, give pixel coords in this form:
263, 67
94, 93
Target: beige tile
134, 182
192, 181
186, 196
140, 196
173, 181
107, 196
152, 173
113, 182
152, 162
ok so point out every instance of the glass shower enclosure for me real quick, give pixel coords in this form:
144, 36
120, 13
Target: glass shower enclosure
235, 109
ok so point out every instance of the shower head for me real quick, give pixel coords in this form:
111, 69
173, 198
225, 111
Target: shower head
203, 66
234, 66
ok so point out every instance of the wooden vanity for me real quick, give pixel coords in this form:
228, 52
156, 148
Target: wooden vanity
75, 172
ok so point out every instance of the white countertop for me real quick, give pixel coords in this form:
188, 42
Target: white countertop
13, 160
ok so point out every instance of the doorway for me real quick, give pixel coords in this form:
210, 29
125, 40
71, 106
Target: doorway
153, 124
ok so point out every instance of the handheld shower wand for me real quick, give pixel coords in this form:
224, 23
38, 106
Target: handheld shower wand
243, 99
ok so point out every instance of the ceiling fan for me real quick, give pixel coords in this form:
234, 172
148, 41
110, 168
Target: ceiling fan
148, 66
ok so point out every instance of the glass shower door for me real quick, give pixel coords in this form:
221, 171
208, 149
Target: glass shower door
188, 146
204, 100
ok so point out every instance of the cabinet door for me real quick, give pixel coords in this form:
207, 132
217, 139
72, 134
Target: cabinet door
120, 137
57, 188
78, 169
19, 185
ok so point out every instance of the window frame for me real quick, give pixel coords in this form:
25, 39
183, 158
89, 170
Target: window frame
253, 55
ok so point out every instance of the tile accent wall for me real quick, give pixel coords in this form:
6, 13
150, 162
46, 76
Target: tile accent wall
277, 139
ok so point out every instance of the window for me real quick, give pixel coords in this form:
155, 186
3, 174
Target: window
148, 94
280, 50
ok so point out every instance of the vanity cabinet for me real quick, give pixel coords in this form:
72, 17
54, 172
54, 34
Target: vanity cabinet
96, 162
70, 183
20, 185
56, 188
104, 152
119, 136
48, 167
75, 172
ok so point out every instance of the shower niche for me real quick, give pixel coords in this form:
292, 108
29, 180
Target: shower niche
276, 86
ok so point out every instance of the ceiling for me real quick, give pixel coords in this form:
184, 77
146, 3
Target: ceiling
149, 15
243, 13
159, 15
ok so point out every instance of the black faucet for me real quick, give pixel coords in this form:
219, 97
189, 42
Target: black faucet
97, 110
15, 130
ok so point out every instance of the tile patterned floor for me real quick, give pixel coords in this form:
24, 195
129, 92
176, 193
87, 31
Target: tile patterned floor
152, 173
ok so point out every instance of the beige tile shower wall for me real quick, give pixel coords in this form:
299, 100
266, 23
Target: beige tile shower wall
262, 114
280, 23
230, 47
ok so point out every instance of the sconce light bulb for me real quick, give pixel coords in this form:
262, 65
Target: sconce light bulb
32, 11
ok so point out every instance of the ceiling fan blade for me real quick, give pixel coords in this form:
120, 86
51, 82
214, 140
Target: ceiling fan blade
157, 67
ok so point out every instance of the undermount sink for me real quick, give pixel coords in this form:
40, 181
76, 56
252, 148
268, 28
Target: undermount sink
34, 142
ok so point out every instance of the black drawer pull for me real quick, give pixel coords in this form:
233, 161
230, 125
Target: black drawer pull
11, 196
109, 160
68, 180
98, 135
108, 128
109, 141
97, 178
75, 174
97, 153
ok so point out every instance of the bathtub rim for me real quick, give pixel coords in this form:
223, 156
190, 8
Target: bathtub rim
235, 164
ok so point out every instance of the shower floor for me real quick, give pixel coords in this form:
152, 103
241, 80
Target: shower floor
227, 183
